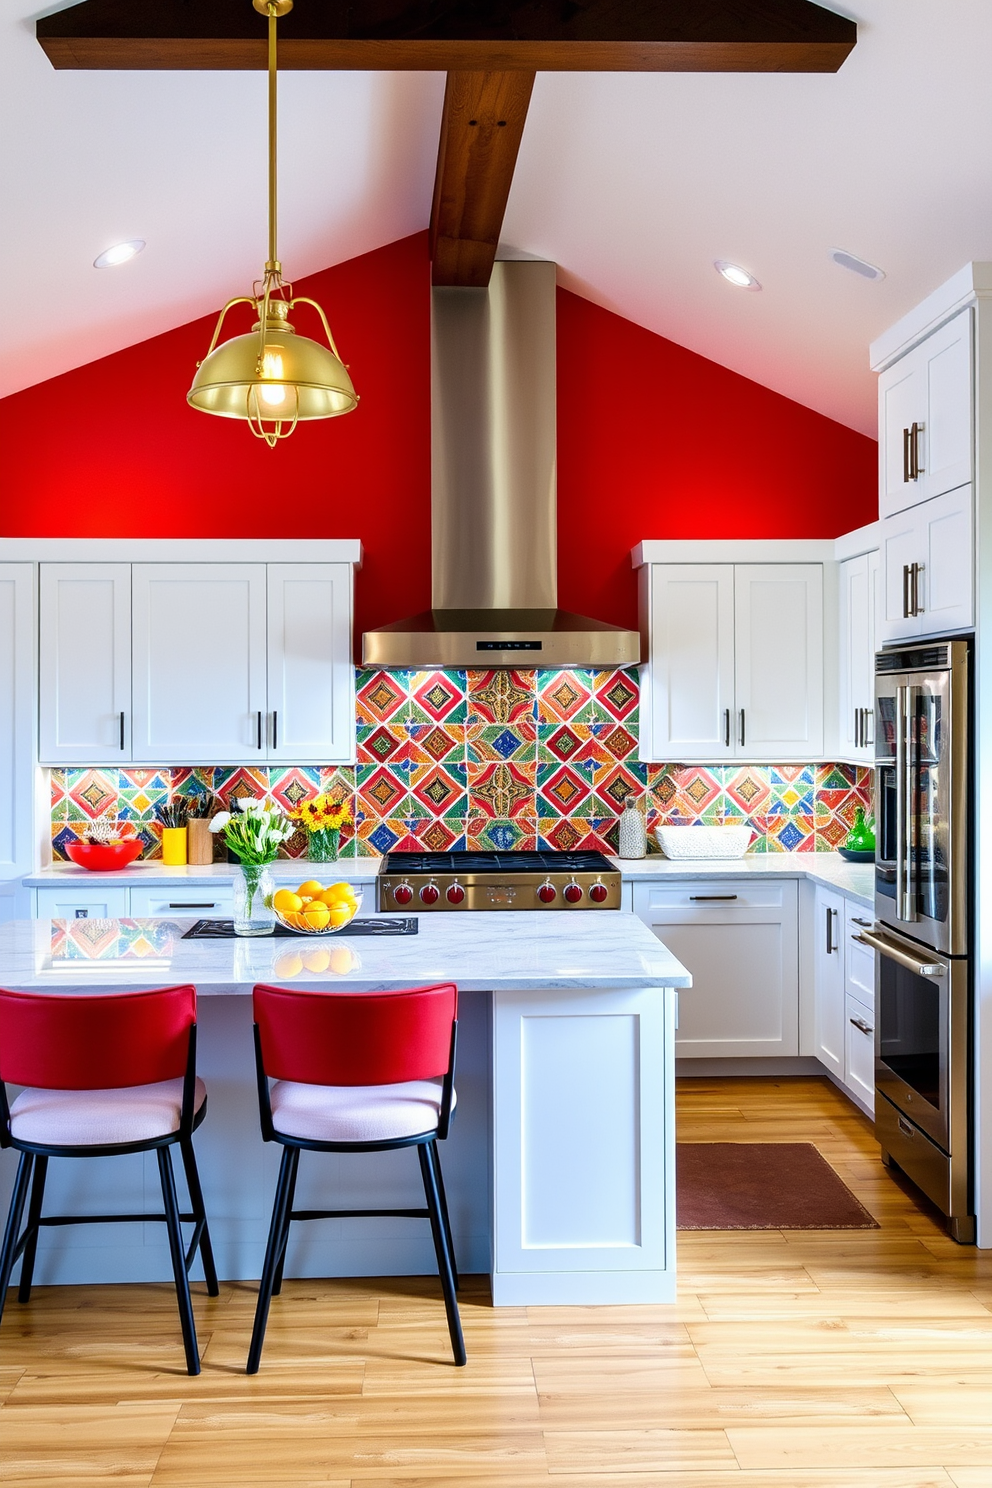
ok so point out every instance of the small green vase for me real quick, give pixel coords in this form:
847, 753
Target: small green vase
861, 837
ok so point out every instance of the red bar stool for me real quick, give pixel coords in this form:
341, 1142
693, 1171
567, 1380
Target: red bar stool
356, 1072
104, 1075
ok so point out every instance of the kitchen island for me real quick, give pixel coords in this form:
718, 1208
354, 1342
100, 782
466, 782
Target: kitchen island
560, 1167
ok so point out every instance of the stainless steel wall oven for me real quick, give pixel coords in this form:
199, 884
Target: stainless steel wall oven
922, 934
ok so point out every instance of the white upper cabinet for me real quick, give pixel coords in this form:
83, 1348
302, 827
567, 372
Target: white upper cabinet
859, 599
735, 662
692, 659
310, 675
196, 663
85, 663
17, 661
928, 578
925, 418
199, 662
778, 650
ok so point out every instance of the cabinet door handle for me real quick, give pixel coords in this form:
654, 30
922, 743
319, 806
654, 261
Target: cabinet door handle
711, 898
917, 465
869, 727
258, 728
275, 729
861, 1025
918, 568
905, 456
726, 728
906, 612
122, 730
857, 727
831, 915
742, 728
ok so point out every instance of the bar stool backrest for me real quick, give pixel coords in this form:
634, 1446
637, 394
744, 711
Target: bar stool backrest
106, 1041
356, 1038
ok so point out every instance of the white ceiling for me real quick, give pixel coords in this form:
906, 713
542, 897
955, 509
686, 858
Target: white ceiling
633, 183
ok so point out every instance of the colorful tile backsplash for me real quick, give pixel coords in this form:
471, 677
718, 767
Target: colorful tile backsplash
493, 759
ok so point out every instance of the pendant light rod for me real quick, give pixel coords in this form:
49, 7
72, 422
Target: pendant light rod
273, 9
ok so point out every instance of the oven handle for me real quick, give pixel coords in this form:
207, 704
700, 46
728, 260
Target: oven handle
903, 958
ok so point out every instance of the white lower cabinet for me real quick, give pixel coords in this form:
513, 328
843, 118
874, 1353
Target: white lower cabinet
828, 980
203, 904
844, 995
740, 941
101, 902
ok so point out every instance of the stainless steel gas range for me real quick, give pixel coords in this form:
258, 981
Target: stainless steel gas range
497, 880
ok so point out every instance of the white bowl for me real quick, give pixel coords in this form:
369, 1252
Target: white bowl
703, 842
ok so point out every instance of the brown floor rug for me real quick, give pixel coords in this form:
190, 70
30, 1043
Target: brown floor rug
762, 1186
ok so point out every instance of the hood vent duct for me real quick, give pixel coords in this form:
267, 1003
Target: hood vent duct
494, 580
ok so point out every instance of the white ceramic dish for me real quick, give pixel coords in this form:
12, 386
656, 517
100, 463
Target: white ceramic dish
703, 842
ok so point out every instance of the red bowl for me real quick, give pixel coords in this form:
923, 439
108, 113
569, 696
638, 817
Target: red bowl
103, 856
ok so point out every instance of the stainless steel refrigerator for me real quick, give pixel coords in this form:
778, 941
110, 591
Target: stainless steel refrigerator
922, 931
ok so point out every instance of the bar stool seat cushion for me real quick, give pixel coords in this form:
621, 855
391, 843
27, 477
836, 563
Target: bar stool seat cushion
100, 1118
356, 1113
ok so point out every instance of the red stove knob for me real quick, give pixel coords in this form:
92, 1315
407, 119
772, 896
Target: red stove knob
598, 892
455, 894
547, 893
402, 893
572, 892
430, 893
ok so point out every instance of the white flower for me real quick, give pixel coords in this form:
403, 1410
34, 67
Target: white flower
220, 821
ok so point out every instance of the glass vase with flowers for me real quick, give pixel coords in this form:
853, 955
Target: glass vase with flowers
256, 834
322, 819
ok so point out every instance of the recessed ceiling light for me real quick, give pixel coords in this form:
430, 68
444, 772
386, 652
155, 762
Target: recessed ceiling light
734, 274
855, 264
118, 254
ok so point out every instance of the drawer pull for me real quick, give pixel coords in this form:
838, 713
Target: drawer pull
212, 905
861, 1025
711, 898
905, 1127
865, 924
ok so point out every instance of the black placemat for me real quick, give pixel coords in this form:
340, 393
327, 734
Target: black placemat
224, 929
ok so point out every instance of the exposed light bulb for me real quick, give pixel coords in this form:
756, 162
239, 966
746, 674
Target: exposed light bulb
734, 274
118, 254
271, 388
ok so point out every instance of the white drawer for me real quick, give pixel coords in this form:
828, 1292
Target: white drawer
101, 902
860, 958
859, 1037
701, 895
198, 903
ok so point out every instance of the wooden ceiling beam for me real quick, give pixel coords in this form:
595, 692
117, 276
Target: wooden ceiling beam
481, 125
453, 36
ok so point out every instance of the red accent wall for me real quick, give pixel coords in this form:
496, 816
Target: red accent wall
656, 442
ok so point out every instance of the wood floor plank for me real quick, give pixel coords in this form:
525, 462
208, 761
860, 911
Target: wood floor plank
793, 1359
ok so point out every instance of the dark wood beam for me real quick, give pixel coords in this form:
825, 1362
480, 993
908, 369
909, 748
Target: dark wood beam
454, 36
481, 125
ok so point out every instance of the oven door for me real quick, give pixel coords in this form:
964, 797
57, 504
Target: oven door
921, 1031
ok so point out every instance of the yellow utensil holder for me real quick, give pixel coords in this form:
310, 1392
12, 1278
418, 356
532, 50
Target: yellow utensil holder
174, 846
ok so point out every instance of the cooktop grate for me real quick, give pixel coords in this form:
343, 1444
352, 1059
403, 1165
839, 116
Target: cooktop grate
498, 862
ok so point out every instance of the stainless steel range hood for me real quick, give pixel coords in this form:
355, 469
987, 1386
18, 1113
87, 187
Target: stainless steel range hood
494, 581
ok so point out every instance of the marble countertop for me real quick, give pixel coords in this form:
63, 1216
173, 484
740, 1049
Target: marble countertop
855, 880
154, 873
484, 951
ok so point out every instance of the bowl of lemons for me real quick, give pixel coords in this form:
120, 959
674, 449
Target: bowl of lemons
313, 909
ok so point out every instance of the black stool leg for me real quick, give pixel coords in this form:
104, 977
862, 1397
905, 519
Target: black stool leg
196, 1201
178, 1252
277, 1282
31, 1233
8, 1251
278, 1232
436, 1159
442, 1252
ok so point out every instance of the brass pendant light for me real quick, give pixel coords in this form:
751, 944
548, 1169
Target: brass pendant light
272, 377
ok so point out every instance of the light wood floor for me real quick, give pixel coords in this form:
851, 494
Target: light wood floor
800, 1360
